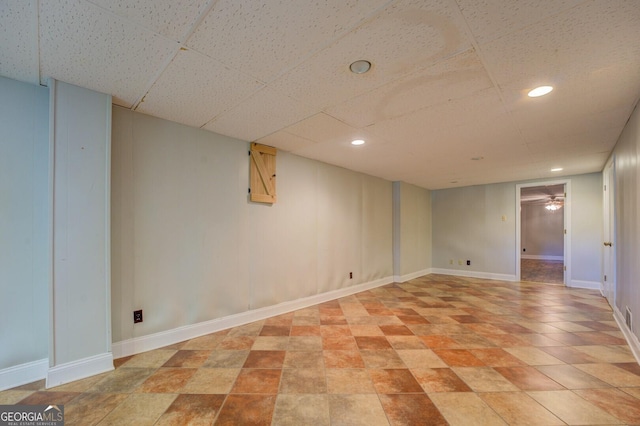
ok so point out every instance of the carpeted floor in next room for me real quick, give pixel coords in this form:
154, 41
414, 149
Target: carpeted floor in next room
434, 350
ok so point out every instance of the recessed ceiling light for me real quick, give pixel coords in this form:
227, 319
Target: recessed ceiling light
357, 142
540, 91
557, 169
477, 158
360, 67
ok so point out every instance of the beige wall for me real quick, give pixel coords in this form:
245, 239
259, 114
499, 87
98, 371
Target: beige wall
189, 247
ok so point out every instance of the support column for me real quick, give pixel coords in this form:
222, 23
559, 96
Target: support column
79, 196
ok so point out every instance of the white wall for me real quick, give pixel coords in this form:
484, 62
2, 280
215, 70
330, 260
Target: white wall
627, 163
542, 233
412, 231
468, 225
188, 246
24, 153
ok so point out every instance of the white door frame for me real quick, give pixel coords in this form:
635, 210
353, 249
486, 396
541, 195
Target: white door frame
608, 288
567, 225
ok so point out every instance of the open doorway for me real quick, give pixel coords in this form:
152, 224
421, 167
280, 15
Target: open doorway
542, 233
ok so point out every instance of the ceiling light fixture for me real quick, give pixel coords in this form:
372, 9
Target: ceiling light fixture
540, 91
360, 67
357, 142
557, 169
553, 204
477, 158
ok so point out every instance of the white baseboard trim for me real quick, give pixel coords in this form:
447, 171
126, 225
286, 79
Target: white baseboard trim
411, 276
76, 370
474, 274
541, 257
590, 285
164, 338
631, 338
24, 373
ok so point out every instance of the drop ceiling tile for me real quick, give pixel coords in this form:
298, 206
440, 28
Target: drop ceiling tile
588, 141
85, 45
322, 128
263, 38
554, 123
453, 78
265, 112
449, 121
19, 35
171, 18
404, 37
195, 88
285, 141
588, 38
376, 157
490, 19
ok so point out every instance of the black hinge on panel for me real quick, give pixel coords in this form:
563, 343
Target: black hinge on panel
249, 152
249, 190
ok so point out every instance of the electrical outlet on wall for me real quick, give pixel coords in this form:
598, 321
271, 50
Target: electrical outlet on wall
468, 262
137, 316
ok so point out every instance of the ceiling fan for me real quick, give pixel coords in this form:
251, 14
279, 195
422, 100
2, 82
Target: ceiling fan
554, 203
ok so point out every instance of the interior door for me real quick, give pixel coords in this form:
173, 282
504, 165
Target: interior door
609, 278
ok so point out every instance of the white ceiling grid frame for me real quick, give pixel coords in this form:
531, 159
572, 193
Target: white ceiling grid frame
194, 88
263, 113
452, 78
405, 36
82, 44
171, 18
19, 40
265, 38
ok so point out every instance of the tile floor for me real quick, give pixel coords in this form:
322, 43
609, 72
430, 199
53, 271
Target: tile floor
435, 350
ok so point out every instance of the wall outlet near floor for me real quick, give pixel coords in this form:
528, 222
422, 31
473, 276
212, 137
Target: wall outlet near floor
350, 275
468, 262
459, 261
137, 316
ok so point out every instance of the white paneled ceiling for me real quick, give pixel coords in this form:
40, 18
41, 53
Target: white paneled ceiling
448, 81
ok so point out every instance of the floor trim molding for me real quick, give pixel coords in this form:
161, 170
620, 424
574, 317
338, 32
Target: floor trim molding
411, 276
24, 373
80, 369
589, 285
474, 274
541, 257
141, 344
631, 338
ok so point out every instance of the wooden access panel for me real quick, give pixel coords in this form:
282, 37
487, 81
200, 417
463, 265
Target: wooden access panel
263, 173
